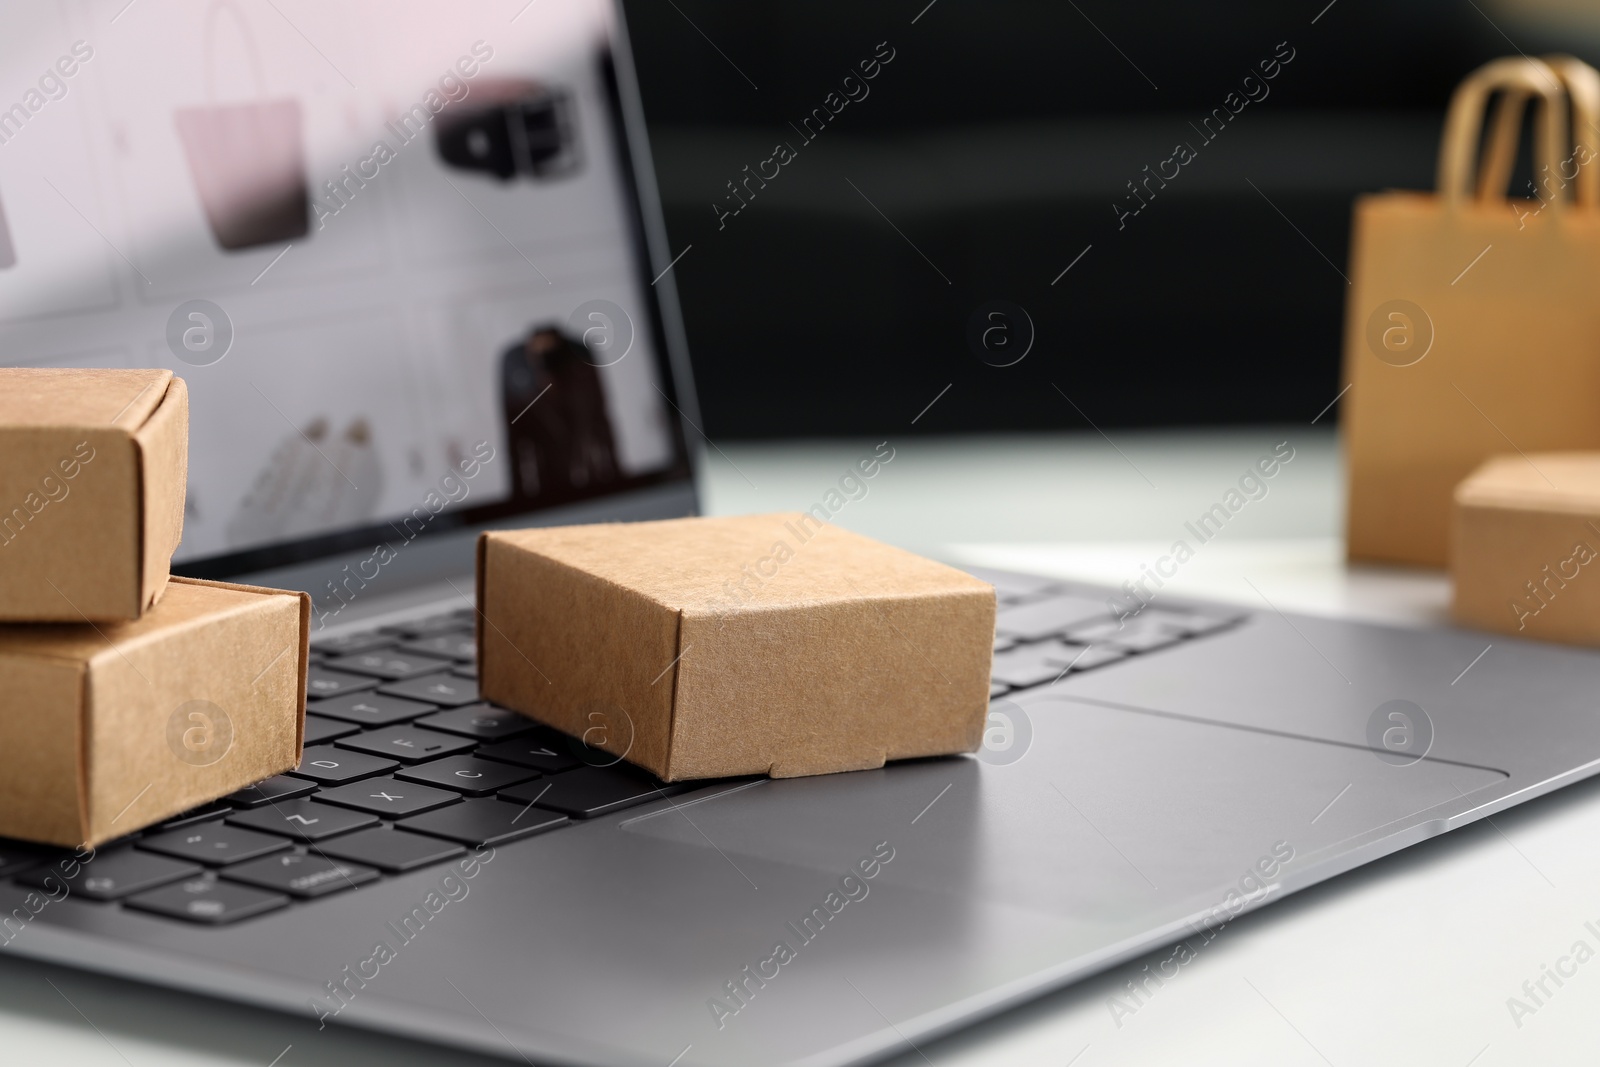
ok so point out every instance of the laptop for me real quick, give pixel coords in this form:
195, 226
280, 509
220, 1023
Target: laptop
411, 262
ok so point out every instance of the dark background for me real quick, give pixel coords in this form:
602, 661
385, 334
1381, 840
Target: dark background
997, 141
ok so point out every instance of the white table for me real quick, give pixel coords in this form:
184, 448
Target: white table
1408, 961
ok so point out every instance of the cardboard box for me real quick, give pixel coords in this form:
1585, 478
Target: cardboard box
106, 729
764, 644
1526, 546
93, 466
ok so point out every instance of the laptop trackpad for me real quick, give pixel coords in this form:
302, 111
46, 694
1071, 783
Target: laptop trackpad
1105, 810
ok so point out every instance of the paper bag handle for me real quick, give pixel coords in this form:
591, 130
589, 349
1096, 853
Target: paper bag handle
1582, 83
210, 47
1459, 147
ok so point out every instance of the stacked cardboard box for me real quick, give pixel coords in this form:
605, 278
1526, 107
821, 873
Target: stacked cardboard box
130, 696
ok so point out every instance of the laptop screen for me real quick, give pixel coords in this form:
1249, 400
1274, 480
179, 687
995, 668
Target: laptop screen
393, 248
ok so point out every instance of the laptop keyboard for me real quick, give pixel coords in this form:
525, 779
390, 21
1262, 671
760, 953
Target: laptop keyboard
404, 767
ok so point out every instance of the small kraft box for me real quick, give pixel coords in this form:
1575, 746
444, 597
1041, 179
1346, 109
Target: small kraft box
763, 644
1526, 541
107, 729
93, 466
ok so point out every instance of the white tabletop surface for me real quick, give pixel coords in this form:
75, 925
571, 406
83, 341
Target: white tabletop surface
1407, 961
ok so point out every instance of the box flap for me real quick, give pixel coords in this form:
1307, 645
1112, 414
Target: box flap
163, 446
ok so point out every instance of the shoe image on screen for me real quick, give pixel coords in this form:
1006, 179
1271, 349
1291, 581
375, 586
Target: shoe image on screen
247, 159
556, 421
314, 480
510, 129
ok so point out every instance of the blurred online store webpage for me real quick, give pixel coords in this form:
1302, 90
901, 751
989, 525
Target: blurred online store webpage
383, 246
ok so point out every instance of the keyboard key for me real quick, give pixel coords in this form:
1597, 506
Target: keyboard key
391, 850
545, 751
1043, 618
466, 670
335, 766
591, 791
346, 644
1004, 644
303, 820
445, 689
482, 721
303, 876
1144, 632
468, 774
388, 797
321, 682
459, 646
1148, 639
206, 900
483, 822
205, 813
372, 709
1096, 630
114, 873
390, 664
434, 625
214, 844
407, 744
319, 729
1028, 665
278, 787
1086, 659
998, 689
1196, 623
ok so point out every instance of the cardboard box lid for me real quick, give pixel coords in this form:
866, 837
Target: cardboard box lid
683, 564
1567, 482
81, 399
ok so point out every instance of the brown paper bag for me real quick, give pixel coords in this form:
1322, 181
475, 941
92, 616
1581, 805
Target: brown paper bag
1473, 322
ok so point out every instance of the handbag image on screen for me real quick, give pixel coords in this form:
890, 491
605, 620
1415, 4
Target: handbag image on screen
511, 129
247, 159
1472, 326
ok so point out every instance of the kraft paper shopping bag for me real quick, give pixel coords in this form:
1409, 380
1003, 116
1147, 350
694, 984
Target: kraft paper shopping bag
1472, 326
